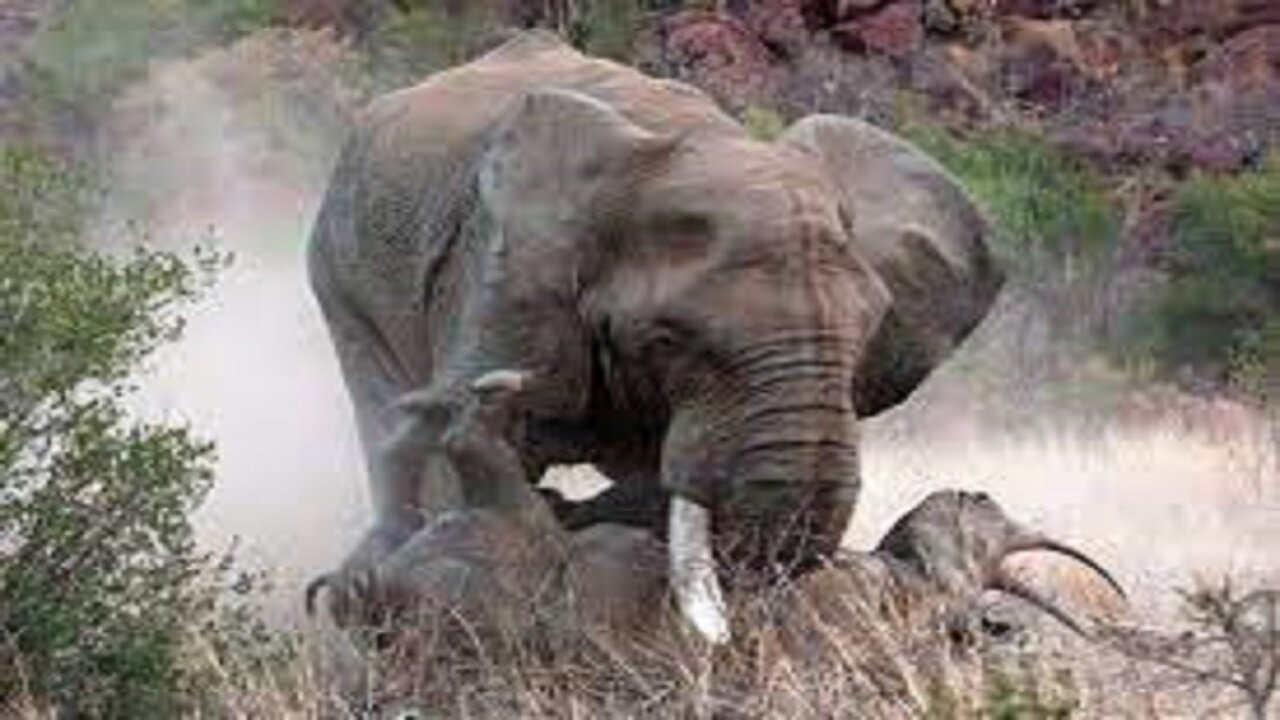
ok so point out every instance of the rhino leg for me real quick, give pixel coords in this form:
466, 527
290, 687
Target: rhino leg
374, 380
479, 447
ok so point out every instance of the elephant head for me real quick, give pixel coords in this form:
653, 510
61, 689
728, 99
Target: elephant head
742, 302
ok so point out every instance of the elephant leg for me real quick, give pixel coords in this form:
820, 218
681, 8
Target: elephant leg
373, 383
479, 446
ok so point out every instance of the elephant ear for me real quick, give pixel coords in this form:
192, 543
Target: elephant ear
557, 164
556, 157
922, 234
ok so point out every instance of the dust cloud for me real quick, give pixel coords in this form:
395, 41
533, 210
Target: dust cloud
1157, 501
1163, 506
254, 370
255, 373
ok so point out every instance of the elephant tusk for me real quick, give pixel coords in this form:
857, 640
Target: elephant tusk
1007, 583
312, 592
693, 571
1035, 541
501, 380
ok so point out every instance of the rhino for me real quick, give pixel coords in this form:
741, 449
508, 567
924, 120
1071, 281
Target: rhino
701, 315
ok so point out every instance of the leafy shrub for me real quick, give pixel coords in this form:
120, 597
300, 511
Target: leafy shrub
1025, 687
411, 43
99, 573
608, 28
1217, 316
763, 123
1052, 213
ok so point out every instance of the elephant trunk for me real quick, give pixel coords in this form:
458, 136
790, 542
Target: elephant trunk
776, 487
794, 478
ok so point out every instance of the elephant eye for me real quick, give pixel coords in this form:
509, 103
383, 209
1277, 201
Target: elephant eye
683, 234
661, 338
664, 334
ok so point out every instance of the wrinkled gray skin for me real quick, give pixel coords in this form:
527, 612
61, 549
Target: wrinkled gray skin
503, 582
931, 567
697, 313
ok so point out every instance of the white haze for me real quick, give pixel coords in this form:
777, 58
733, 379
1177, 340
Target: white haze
255, 373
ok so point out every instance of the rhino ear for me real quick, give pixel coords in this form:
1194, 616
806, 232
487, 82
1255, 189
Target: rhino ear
556, 156
922, 234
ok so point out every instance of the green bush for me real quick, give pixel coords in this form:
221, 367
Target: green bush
1052, 213
410, 44
608, 28
1024, 688
1217, 315
1214, 318
99, 572
763, 123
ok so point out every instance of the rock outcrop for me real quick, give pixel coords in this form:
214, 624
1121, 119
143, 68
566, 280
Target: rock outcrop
1180, 85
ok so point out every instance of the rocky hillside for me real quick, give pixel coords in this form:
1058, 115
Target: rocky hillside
1176, 83
1125, 147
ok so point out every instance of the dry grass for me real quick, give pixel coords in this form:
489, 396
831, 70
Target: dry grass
780, 666
1158, 504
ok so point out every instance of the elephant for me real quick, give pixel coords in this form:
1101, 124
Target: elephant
701, 315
